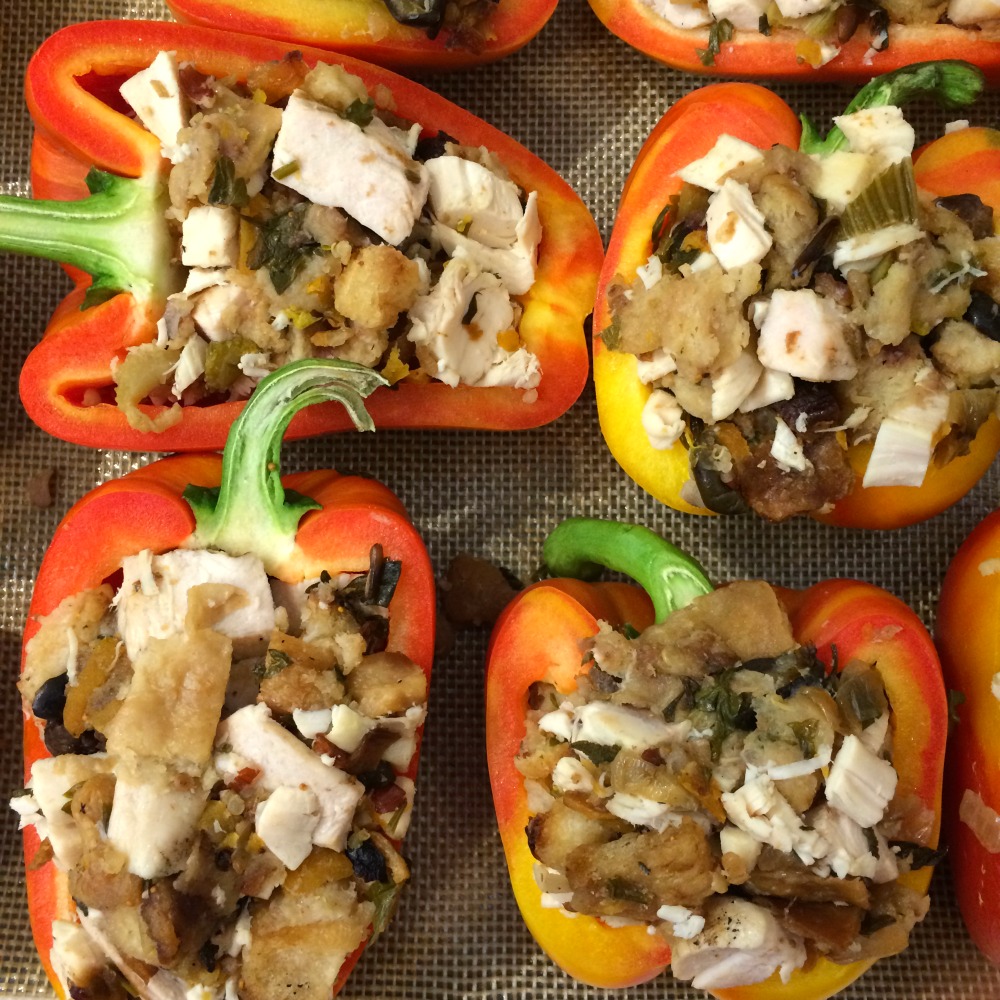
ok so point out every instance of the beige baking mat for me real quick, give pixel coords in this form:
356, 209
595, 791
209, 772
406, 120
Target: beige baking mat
583, 101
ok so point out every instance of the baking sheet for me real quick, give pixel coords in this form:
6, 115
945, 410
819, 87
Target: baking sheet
584, 102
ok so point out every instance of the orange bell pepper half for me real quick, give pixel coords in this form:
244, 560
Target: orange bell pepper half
967, 161
790, 54
66, 382
367, 30
969, 642
538, 638
300, 525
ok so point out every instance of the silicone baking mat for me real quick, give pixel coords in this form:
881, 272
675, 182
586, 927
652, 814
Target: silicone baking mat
584, 102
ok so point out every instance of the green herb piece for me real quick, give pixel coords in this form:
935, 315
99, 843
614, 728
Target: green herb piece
597, 753
628, 892
282, 246
360, 111
630, 631
227, 188
721, 31
612, 334
385, 896
286, 170
764, 25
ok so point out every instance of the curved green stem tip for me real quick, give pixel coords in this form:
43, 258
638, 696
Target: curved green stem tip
581, 547
250, 511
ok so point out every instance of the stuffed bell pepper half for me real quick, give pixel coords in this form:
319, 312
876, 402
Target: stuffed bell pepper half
224, 680
792, 324
808, 40
969, 641
740, 783
403, 34
249, 206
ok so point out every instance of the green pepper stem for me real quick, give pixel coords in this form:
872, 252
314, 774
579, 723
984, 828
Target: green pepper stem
581, 546
118, 235
950, 82
250, 511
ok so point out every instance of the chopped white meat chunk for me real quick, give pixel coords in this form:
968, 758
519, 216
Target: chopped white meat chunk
153, 600
865, 251
640, 811
733, 840
727, 154
680, 14
771, 387
805, 335
847, 852
973, 12
905, 441
460, 323
741, 14
51, 781
217, 311
154, 94
786, 449
742, 943
75, 957
663, 419
620, 725
841, 177
801, 8
735, 227
190, 365
154, 817
513, 265
882, 132
651, 272
571, 775
348, 728
758, 808
286, 822
471, 198
732, 386
312, 722
685, 923
283, 760
210, 236
655, 365
369, 173
860, 784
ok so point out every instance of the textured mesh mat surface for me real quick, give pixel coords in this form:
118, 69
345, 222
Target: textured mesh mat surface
583, 101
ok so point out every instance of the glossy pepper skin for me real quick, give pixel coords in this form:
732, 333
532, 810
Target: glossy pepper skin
538, 637
961, 162
70, 79
786, 54
969, 642
368, 31
146, 509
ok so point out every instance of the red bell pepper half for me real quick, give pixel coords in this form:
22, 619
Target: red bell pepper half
395, 33
963, 162
119, 235
969, 641
792, 53
302, 526
538, 639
